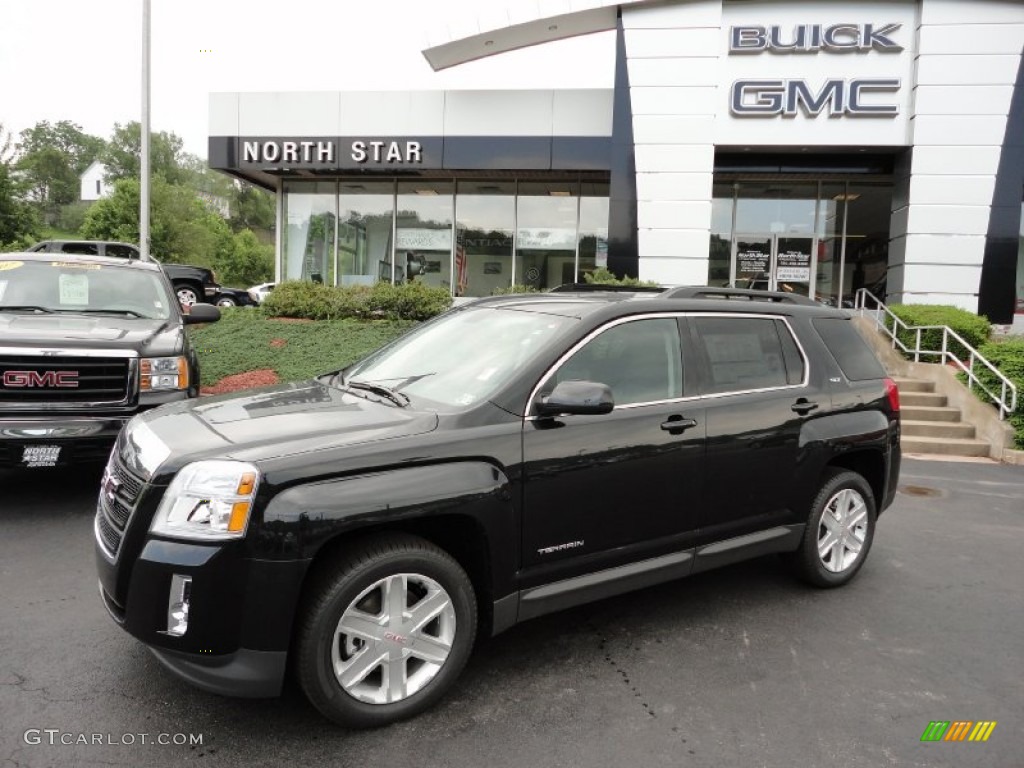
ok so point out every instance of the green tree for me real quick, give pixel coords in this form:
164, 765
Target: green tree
248, 261
51, 157
122, 155
252, 208
18, 223
182, 228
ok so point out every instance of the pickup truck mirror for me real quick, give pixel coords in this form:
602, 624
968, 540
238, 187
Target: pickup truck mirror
202, 313
580, 398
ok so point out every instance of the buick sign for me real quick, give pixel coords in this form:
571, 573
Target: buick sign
811, 38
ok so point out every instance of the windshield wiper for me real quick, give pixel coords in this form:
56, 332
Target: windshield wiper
126, 312
24, 308
379, 389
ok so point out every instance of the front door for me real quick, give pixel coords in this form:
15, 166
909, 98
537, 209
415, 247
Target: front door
600, 491
774, 263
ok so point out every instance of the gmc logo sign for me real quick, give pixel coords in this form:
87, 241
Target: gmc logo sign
49, 379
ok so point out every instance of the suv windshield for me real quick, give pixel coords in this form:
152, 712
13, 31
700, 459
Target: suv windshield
463, 357
67, 286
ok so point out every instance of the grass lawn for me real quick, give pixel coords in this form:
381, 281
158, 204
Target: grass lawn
245, 340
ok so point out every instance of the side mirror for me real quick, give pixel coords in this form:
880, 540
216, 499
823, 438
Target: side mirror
579, 398
202, 313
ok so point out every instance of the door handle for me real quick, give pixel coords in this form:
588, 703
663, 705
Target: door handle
676, 425
804, 406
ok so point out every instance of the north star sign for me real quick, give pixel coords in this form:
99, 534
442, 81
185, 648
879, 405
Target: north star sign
324, 152
853, 97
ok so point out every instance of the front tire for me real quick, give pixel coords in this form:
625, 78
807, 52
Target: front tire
840, 529
385, 633
187, 295
226, 301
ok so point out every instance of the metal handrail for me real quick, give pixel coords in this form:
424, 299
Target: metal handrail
881, 311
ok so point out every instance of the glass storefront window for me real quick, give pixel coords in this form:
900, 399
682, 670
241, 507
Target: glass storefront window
485, 212
366, 221
546, 216
593, 234
722, 207
1019, 307
423, 234
309, 215
776, 207
866, 263
831, 215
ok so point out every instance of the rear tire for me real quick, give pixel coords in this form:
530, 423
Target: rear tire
187, 295
385, 633
840, 529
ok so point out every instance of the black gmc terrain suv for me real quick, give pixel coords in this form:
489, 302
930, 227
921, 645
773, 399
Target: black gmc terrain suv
86, 343
514, 456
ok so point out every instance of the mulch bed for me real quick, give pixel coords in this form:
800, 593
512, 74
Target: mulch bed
238, 381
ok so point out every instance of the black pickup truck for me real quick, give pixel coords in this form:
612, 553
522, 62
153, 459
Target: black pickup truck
515, 456
86, 342
191, 284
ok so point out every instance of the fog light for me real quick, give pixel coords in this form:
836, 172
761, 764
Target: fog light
177, 605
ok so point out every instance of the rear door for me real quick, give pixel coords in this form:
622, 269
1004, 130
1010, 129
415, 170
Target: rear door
758, 392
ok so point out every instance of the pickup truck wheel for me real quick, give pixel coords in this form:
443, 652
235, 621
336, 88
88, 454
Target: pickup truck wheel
226, 301
840, 529
386, 633
187, 295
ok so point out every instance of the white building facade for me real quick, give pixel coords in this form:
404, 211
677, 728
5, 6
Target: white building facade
812, 147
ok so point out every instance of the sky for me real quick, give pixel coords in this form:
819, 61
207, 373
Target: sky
80, 60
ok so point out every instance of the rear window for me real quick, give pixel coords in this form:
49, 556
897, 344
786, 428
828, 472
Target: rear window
854, 356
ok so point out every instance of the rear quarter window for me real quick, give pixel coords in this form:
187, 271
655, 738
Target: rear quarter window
855, 358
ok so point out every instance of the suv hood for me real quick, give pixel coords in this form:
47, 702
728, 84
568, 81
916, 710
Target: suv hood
263, 424
83, 331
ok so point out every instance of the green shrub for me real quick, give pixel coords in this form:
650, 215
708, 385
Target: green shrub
603, 276
409, 301
507, 289
974, 329
1008, 357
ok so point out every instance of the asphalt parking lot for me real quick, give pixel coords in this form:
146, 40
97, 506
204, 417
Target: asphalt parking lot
738, 667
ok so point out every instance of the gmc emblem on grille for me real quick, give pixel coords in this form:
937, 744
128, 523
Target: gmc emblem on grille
49, 379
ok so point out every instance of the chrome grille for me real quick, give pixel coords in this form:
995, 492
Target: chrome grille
30, 379
119, 492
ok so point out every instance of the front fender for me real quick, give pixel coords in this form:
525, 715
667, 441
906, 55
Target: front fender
300, 520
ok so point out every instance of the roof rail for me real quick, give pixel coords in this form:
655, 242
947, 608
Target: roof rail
709, 292
602, 288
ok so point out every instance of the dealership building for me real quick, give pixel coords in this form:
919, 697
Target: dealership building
811, 147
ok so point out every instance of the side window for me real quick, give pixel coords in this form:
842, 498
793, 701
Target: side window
849, 349
122, 252
745, 353
88, 249
639, 360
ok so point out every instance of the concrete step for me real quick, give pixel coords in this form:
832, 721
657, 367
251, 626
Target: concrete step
948, 429
945, 446
929, 399
929, 413
914, 385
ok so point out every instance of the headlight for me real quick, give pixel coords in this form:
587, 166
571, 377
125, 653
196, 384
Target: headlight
208, 500
163, 373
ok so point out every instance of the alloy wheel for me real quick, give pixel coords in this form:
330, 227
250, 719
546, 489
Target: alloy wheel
842, 530
393, 639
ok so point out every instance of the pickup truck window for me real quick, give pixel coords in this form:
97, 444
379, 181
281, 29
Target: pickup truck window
462, 357
58, 286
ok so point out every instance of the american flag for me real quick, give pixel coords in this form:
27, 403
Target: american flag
460, 264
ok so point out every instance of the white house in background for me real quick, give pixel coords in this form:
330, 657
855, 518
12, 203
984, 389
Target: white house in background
94, 183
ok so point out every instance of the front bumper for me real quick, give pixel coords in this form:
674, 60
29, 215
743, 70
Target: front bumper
239, 617
81, 437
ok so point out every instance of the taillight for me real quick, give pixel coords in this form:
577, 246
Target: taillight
893, 393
